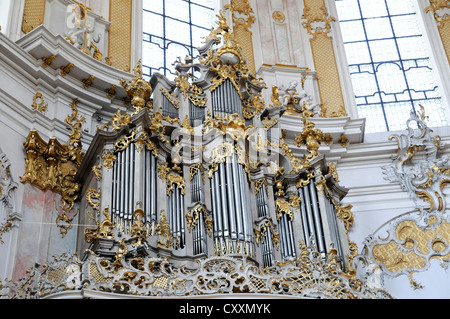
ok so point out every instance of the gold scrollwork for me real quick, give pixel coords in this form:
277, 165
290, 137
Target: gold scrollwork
108, 159
119, 120
171, 97
42, 106
193, 170
65, 70
47, 61
261, 233
283, 207
88, 82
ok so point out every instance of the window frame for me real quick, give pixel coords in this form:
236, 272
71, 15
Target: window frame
431, 37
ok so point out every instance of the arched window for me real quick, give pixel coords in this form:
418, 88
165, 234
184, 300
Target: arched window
389, 63
172, 29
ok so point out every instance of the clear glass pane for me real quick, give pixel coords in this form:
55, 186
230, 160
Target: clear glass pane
205, 3
357, 53
412, 48
178, 31
353, 31
373, 8
391, 78
379, 28
153, 24
172, 29
154, 5
364, 84
203, 17
200, 35
384, 50
152, 55
401, 6
175, 50
374, 117
435, 112
421, 79
348, 9
177, 9
397, 114
406, 25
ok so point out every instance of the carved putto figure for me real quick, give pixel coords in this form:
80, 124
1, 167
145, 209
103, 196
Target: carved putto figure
298, 101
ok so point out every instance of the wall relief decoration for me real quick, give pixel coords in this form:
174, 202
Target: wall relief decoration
410, 242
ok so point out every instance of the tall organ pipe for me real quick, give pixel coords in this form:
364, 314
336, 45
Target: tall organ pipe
230, 191
306, 230
309, 213
237, 196
317, 219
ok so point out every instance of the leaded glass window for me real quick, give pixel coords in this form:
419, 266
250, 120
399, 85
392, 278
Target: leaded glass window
389, 64
172, 29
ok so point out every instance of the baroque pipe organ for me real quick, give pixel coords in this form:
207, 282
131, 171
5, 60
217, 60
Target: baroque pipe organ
196, 172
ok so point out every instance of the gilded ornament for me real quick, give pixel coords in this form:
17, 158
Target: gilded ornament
278, 16
275, 98
171, 97
295, 201
65, 70
328, 139
139, 90
283, 207
75, 124
97, 172
47, 61
193, 216
344, 213
5, 227
186, 125
119, 120
317, 22
108, 159
261, 233
88, 82
165, 239
437, 5
194, 169
311, 137
344, 140
181, 82
54, 166
42, 106
111, 91
138, 228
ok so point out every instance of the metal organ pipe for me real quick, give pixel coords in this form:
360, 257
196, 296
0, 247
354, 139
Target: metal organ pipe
334, 228
230, 191
122, 187
306, 230
218, 203
317, 219
309, 214
225, 211
114, 194
153, 190
239, 211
